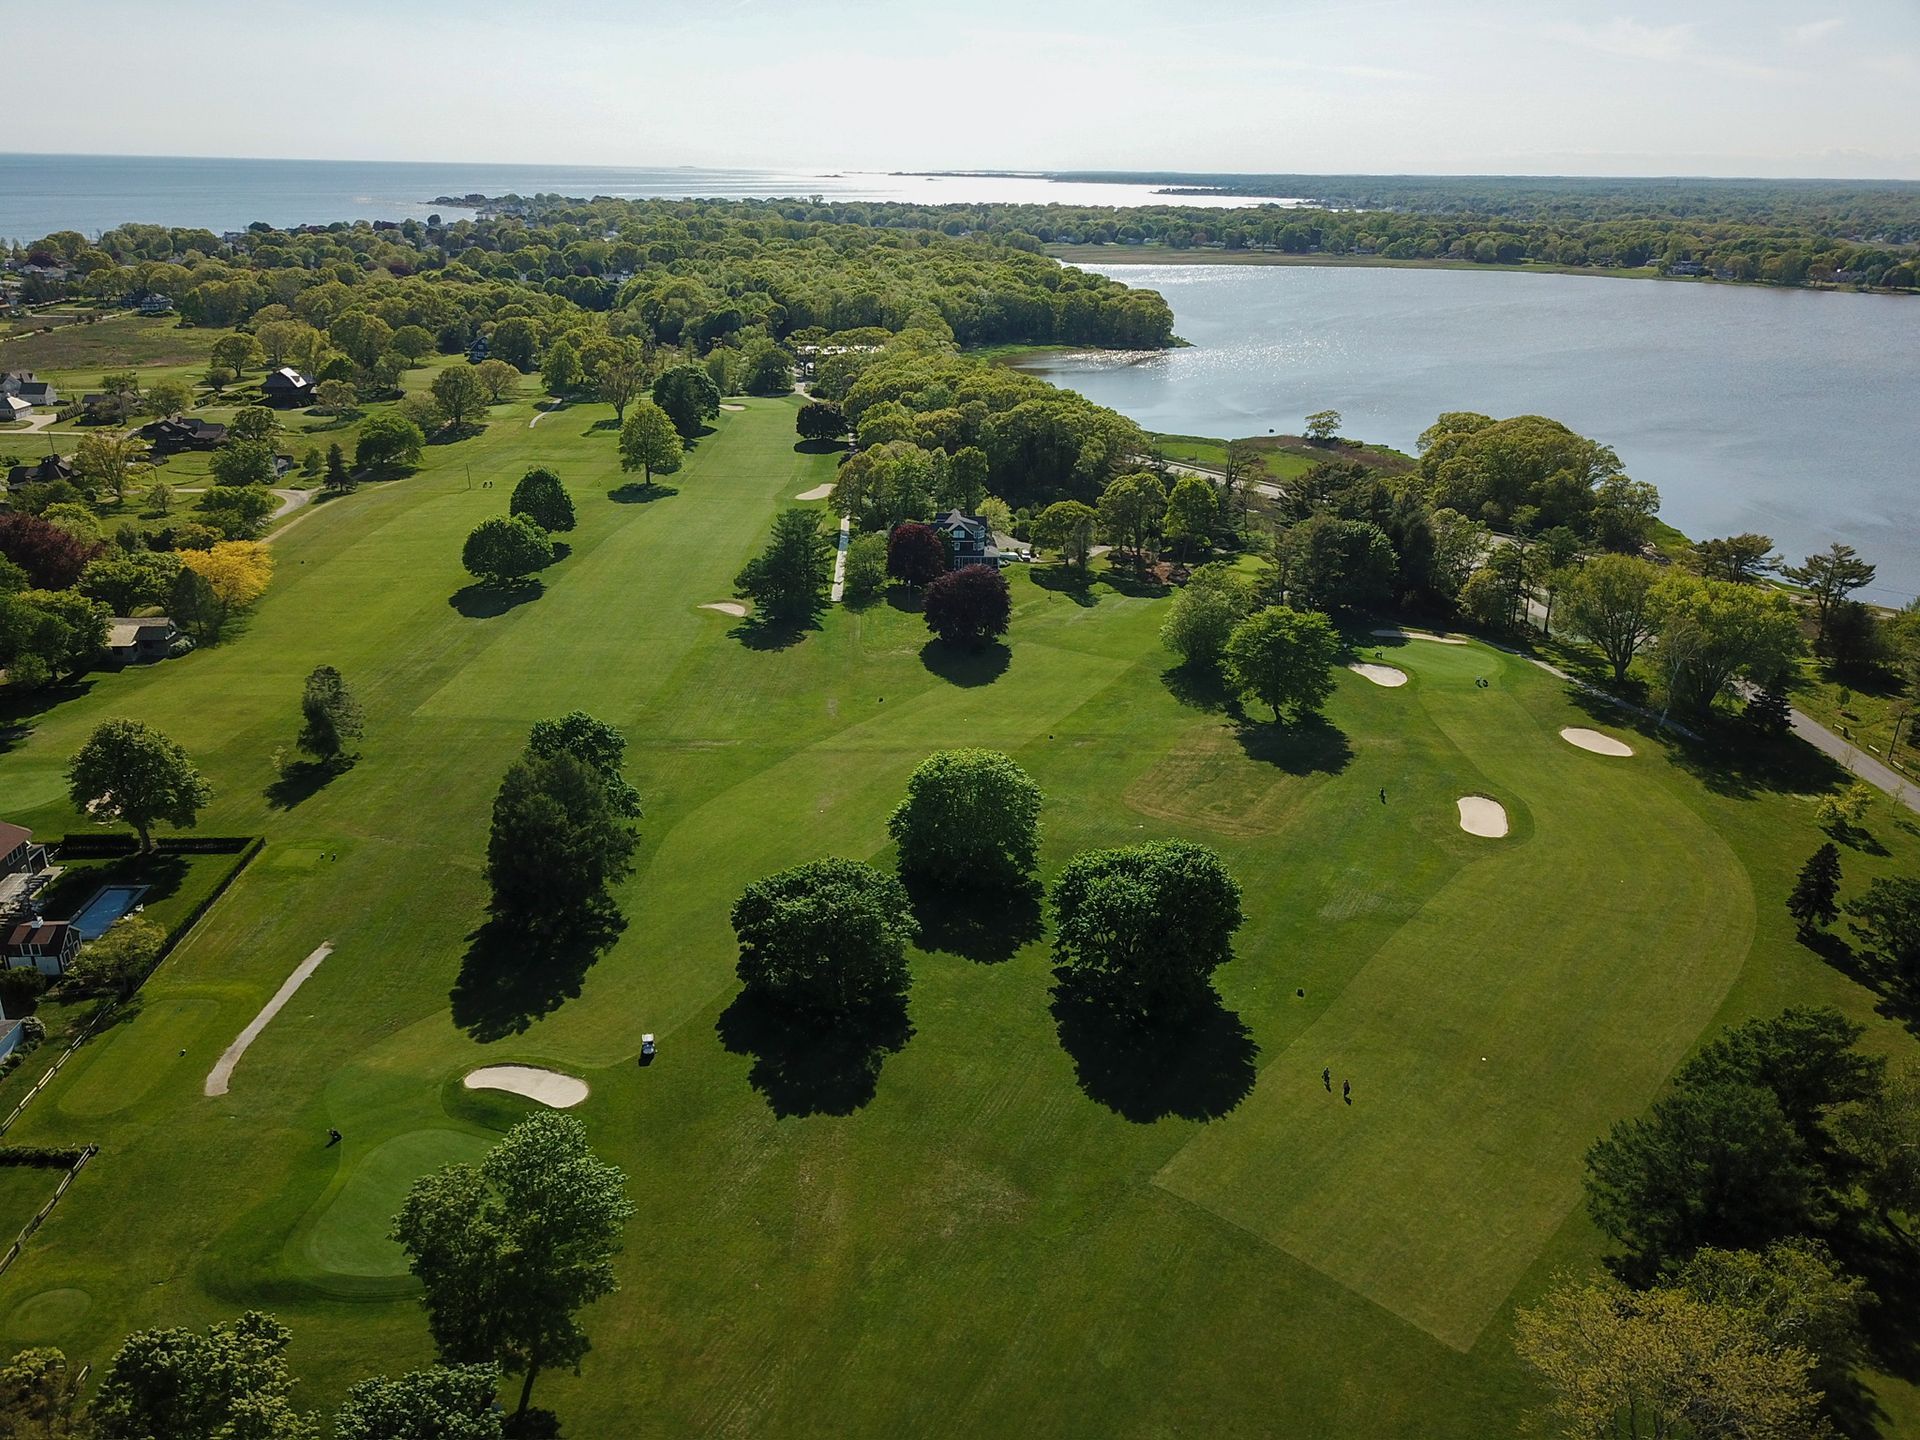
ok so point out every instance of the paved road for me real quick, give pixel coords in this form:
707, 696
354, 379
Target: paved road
840, 561
1264, 487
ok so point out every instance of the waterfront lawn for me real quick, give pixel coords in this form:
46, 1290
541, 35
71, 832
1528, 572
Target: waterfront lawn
1019, 1219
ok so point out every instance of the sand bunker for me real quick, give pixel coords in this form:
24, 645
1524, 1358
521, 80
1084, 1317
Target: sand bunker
1596, 742
818, 492
1379, 674
1391, 633
733, 407
727, 607
549, 1087
1481, 816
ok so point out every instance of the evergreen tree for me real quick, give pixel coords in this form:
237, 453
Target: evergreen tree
1768, 710
339, 478
1812, 900
790, 578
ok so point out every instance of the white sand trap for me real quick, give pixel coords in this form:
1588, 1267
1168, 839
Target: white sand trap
1392, 633
549, 1087
728, 607
1596, 742
1481, 816
222, 1071
818, 492
1379, 674
733, 407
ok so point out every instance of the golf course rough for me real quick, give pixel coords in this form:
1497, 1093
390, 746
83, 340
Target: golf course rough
1007, 1175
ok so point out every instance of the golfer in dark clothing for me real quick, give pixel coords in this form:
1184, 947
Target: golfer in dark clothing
1346, 1091
333, 1137
1383, 794
1326, 1079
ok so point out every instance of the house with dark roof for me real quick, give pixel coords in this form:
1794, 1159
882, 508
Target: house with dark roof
12, 380
42, 472
972, 539
287, 386
39, 392
24, 867
44, 945
155, 304
182, 432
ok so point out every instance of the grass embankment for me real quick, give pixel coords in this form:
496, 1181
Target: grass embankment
1019, 1222
1287, 457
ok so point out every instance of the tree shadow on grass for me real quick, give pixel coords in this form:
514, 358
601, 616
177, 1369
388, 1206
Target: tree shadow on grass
804, 1067
302, 780
18, 712
1200, 687
635, 493
964, 665
819, 447
1068, 580
599, 426
1134, 583
1889, 1262
907, 599
1313, 746
515, 970
1734, 761
987, 925
1198, 1065
484, 602
774, 632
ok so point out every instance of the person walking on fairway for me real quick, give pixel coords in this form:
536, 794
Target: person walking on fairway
1346, 1091
1326, 1078
1383, 794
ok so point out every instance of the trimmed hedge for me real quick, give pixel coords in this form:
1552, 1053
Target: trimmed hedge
42, 1157
115, 847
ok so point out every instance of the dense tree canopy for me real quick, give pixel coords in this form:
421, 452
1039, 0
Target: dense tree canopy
971, 817
541, 497
825, 939
135, 774
970, 605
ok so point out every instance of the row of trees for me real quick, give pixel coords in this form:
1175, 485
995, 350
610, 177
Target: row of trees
1143, 927
508, 1252
1780, 1146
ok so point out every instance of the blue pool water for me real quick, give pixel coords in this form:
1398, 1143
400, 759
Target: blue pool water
108, 904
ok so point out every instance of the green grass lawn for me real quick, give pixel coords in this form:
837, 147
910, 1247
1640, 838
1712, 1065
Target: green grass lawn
23, 1190
75, 352
1020, 1223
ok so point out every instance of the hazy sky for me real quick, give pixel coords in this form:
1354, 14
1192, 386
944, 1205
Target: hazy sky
1743, 87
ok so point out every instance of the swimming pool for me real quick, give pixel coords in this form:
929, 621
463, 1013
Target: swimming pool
108, 904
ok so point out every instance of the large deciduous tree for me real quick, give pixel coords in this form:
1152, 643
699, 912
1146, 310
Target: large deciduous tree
459, 396
541, 497
1203, 615
916, 555
1068, 527
790, 578
557, 840
134, 773
1145, 926
331, 718
511, 1250
649, 442
1131, 510
110, 464
1610, 601
388, 443
231, 1381
1710, 632
820, 420
971, 817
51, 557
1285, 659
826, 939
969, 606
689, 397
505, 551
443, 1402
597, 745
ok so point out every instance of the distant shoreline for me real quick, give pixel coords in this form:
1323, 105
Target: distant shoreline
1214, 255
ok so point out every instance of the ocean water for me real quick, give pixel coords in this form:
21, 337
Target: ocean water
91, 193
1788, 412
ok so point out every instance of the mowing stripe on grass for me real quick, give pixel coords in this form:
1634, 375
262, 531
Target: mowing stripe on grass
1474, 1036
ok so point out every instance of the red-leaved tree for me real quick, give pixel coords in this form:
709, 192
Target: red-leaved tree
916, 554
52, 558
969, 605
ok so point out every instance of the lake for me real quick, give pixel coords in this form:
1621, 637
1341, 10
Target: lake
1789, 412
40, 194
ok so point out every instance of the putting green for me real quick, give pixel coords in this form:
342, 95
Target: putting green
350, 1237
48, 1315
1433, 1192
